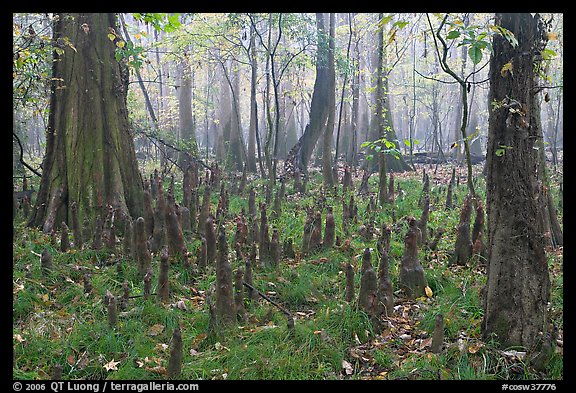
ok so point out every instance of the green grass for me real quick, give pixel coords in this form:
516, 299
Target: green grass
55, 322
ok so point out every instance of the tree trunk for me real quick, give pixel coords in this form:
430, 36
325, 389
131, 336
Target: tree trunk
518, 286
90, 153
251, 157
186, 120
329, 131
319, 104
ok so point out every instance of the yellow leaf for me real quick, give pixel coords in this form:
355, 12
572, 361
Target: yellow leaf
505, 68
156, 330
552, 36
473, 348
428, 291
392, 35
111, 36
120, 44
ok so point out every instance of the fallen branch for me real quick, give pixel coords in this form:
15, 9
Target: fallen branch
286, 312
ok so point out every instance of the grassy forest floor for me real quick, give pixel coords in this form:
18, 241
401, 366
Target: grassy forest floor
56, 322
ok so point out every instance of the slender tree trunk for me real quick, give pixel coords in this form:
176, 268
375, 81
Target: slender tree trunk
355, 102
379, 117
251, 158
186, 121
318, 106
329, 131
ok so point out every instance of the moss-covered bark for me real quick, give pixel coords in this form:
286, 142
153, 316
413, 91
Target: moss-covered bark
90, 154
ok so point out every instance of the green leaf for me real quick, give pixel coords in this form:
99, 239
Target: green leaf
389, 144
453, 35
500, 152
401, 24
475, 53
548, 54
385, 20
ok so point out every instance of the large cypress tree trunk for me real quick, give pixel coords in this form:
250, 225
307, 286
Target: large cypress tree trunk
90, 157
518, 283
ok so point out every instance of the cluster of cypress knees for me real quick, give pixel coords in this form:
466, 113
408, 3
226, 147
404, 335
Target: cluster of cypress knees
161, 231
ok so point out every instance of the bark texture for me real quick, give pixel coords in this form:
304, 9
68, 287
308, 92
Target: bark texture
518, 285
90, 156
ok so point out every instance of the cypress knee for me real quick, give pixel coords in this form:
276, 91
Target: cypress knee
316, 234
148, 213
411, 278
64, 238
112, 309
175, 362
147, 284
159, 232
239, 294
438, 335
350, 283
204, 210
46, 262
275, 248
329, 229
128, 237
250, 294
202, 255
174, 235
367, 297
210, 239
307, 233
140, 247
225, 309
463, 245
163, 283
385, 290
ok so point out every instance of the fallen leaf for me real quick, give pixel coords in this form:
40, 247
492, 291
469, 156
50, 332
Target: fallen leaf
428, 291
71, 360
157, 370
18, 338
513, 353
155, 330
181, 305
473, 348
197, 340
220, 347
347, 367
111, 365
